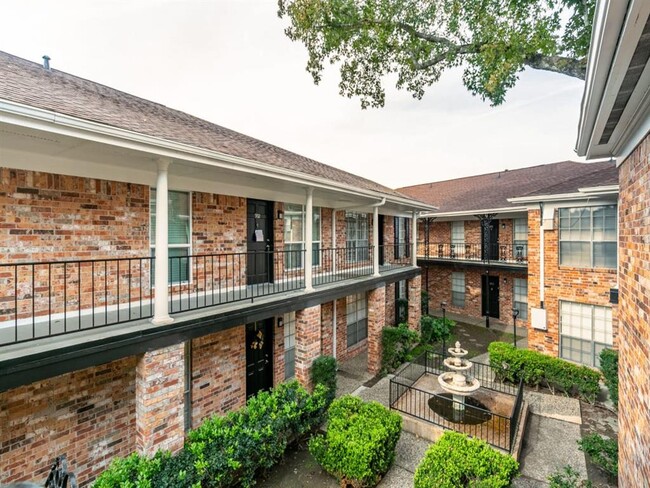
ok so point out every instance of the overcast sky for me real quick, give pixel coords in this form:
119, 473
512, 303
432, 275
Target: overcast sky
228, 61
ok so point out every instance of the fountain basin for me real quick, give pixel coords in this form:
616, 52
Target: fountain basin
456, 365
458, 384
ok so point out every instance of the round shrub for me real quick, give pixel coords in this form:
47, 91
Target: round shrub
323, 372
396, 344
456, 461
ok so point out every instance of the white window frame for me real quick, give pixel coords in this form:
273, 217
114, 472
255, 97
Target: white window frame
458, 289
583, 329
357, 317
564, 214
520, 235
289, 326
316, 244
357, 247
402, 238
520, 300
152, 236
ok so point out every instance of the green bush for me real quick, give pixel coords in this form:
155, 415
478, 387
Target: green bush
603, 453
457, 461
568, 477
359, 446
228, 450
435, 329
396, 343
424, 302
537, 369
609, 367
323, 372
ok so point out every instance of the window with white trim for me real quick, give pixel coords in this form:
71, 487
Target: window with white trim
401, 227
588, 237
401, 302
458, 289
294, 235
356, 236
520, 286
458, 232
179, 233
585, 330
289, 326
357, 318
520, 237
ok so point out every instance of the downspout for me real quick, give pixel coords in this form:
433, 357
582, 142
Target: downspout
541, 254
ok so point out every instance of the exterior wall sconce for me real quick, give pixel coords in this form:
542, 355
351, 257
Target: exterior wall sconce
280, 215
279, 322
503, 225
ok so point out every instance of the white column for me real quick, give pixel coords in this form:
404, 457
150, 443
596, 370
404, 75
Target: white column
161, 299
375, 240
309, 224
334, 254
414, 238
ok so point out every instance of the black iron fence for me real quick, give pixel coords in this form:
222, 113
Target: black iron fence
406, 396
507, 253
342, 263
395, 255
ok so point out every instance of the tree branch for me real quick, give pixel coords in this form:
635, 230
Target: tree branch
576, 68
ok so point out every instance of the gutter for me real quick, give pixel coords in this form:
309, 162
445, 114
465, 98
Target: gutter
471, 213
27, 116
581, 194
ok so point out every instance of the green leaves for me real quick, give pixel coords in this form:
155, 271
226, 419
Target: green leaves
435, 329
359, 446
603, 452
609, 367
396, 344
414, 42
456, 461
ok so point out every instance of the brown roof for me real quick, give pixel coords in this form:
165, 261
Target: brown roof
491, 191
28, 83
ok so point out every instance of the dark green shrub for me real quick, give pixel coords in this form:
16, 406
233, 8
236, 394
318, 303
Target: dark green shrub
536, 369
424, 302
396, 343
435, 329
456, 461
359, 446
568, 477
228, 450
323, 372
609, 367
603, 453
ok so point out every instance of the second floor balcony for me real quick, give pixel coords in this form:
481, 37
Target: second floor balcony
493, 253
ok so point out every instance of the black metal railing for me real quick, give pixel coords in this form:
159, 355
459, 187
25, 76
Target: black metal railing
57, 297
344, 263
505, 253
206, 280
497, 429
395, 255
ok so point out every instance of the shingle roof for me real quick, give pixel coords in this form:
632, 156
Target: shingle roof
492, 190
28, 83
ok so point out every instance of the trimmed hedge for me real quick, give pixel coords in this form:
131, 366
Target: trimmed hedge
456, 461
359, 445
536, 369
323, 372
609, 367
228, 450
396, 344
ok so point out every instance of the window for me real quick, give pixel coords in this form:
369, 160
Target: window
588, 237
520, 238
401, 302
458, 289
457, 239
585, 330
178, 233
521, 297
294, 235
401, 237
356, 236
289, 320
357, 318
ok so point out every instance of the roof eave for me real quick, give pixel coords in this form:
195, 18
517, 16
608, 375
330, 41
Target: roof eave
472, 213
581, 194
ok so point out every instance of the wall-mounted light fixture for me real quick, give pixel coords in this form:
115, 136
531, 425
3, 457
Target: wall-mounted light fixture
503, 225
505, 280
280, 215
279, 322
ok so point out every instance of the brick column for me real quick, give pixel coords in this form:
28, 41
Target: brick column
414, 286
376, 322
159, 408
308, 332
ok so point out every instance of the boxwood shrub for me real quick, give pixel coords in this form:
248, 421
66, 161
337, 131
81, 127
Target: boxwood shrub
396, 343
323, 372
359, 445
609, 367
228, 450
456, 461
536, 369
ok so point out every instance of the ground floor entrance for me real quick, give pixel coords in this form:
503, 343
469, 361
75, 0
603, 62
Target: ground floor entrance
259, 357
490, 296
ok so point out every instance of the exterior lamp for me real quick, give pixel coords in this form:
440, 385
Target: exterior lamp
515, 314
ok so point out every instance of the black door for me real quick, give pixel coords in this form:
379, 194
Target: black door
491, 253
490, 296
259, 225
259, 356
381, 240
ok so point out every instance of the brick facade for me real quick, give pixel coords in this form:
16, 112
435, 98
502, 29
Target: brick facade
327, 331
414, 291
634, 315
308, 342
218, 373
89, 415
376, 322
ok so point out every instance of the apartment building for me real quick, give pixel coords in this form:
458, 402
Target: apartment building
615, 122
157, 269
538, 244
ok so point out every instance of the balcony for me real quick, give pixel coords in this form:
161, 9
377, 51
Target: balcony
510, 255
46, 299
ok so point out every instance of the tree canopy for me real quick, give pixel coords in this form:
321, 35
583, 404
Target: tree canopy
415, 41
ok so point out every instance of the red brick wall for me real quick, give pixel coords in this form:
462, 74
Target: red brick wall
376, 322
341, 330
390, 304
218, 223
327, 332
89, 415
308, 342
278, 354
634, 313
218, 373
581, 285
